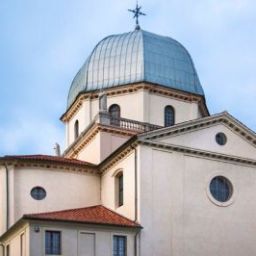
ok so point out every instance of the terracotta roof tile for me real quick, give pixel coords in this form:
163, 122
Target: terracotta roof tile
57, 159
91, 215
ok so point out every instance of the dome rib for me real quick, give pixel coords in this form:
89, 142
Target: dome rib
137, 56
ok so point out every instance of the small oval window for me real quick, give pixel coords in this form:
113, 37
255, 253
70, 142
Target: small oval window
221, 138
38, 193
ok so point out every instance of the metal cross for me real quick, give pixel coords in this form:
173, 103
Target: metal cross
137, 14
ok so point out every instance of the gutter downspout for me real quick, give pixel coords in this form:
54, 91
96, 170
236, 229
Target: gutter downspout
135, 185
135, 199
7, 196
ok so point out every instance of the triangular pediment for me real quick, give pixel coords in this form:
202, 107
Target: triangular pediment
201, 134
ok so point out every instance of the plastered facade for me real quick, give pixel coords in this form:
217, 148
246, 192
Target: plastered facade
205, 139
104, 144
76, 240
82, 189
108, 185
140, 105
178, 214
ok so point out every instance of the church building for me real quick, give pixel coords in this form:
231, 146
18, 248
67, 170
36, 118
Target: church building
146, 171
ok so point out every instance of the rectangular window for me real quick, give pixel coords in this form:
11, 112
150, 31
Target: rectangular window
119, 246
120, 190
52, 242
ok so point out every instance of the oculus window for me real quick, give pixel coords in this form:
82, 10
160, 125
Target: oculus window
221, 189
221, 138
38, 193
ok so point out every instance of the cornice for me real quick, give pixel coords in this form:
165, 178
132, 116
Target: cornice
124, 89
198, 152
18, 163
116, 158
201, 123
88, 134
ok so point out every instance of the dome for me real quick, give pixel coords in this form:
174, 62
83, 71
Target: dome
137, 56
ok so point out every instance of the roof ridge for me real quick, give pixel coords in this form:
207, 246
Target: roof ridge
47, 159
97, 214
62, 211
118, 214
77, 209
222, 117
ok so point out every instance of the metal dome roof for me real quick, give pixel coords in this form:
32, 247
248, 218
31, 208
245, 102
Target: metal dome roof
135, 57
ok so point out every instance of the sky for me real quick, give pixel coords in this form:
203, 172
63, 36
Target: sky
44, 43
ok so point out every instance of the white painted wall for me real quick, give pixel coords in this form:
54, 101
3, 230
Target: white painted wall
83, 117
108, 192
101, 146
204, 138
141, 105
70, 234
110, 142
184, 111
14, 242
65, 190
177, 214
91, 151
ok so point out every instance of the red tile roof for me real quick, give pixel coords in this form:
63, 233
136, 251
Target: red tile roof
90, 215
56, 159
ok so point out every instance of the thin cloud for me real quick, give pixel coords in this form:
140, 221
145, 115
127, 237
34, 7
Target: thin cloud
44, 44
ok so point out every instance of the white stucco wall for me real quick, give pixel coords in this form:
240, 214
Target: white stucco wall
65, 190
91, 151
142, 105
176, 212
149, 107
70, 239
184, 111
131, 105
101, 146
83, 117
110, 142
205, 139
14, 242
108, 192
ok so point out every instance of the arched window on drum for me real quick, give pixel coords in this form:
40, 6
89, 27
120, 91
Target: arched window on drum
169, 116
115, 114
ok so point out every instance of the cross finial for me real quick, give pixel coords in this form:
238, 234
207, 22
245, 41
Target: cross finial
137, 14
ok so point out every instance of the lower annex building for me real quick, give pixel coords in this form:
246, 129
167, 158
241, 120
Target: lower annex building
147, 170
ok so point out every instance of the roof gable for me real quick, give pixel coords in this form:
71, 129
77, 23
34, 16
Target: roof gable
90, 215
200, 134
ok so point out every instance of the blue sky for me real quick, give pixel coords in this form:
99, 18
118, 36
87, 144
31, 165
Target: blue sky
44, 43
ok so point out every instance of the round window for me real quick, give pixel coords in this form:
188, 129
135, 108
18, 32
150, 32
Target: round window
38, 193
221, 189
221, 138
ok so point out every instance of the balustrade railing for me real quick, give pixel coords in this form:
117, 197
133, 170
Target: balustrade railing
127, 124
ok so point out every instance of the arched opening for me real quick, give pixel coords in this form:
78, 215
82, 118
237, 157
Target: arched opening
169, 116
119, 183
76, 129
115, 114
